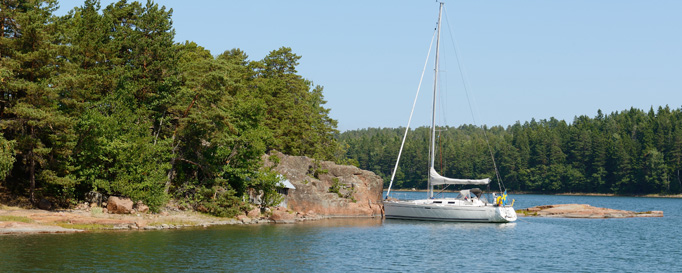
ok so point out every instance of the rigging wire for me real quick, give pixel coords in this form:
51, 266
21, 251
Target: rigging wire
414, 104
465, 82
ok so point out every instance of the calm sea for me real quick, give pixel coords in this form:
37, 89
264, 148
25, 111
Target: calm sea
375, 245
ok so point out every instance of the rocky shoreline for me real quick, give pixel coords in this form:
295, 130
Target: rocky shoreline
583, 211
14, 220
323, 190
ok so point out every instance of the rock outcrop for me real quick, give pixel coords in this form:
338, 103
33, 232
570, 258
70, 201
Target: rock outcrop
280, 215
253, 213
324, 188
119, 205
583, 211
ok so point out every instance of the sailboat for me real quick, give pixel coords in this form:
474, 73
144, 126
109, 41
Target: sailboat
471, 205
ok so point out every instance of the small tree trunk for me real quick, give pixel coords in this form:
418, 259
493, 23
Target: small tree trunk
171, 172
170, 175
32, 169
32, 175
678, 180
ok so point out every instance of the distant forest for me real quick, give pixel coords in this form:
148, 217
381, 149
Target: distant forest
105, 100
628, 152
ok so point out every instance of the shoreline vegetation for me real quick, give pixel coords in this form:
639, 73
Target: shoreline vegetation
564, 193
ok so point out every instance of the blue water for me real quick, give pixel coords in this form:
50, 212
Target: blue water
375, 245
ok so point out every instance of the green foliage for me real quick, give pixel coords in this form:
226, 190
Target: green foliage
267, 182
318, 171
222, 203
631, 152
7, 159
336, 187
315, 170
30, 112
105, 100
297, 120
274, 159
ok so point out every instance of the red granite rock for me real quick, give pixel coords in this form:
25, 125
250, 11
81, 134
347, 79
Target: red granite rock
359, 191
583, 211
118, 205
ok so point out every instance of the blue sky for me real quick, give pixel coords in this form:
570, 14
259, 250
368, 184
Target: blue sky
524, 59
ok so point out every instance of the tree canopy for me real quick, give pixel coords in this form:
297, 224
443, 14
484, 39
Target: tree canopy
104, 99
628, 152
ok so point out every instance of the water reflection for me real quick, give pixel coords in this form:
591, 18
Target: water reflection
343, 222
373, 244
455, 225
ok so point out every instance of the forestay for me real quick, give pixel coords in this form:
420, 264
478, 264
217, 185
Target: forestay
437, 179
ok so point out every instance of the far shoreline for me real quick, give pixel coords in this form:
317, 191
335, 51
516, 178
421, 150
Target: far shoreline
560, 194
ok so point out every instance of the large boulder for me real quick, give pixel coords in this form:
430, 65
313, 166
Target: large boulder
119, 205
44, 204
141, 207
327, 189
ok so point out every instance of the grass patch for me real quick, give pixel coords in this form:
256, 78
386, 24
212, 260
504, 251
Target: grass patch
96, 211
172, 222
12, 218
644, 212
84, 226
527, 213
4, 207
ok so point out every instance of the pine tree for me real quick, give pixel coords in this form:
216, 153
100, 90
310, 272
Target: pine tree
296, 118
30, 108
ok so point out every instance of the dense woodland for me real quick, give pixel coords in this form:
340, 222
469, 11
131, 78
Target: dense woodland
628, 152
104, 99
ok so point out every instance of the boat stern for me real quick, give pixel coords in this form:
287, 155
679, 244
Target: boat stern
505, 214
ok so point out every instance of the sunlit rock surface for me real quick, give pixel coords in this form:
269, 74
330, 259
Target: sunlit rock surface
326, 189
583, 211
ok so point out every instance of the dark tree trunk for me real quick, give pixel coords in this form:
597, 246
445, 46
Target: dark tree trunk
32, 175
32, 170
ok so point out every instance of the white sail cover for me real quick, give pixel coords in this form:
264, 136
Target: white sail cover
437, 179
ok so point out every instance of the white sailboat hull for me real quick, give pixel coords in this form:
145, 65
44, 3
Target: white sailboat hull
459, 211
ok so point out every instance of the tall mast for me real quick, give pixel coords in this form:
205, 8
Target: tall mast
432, 151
